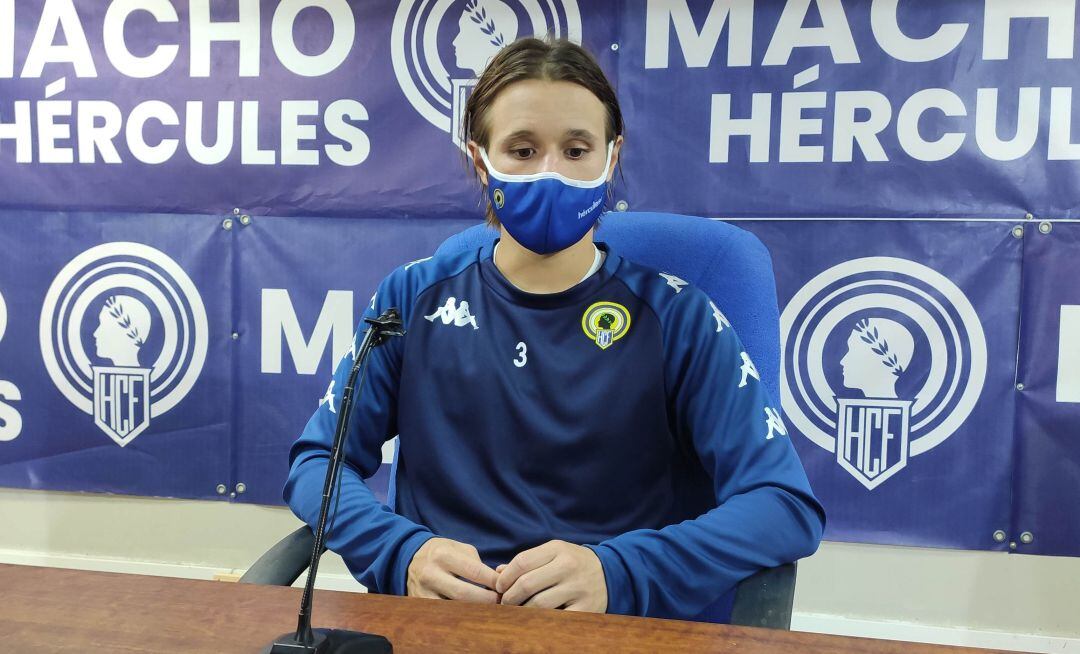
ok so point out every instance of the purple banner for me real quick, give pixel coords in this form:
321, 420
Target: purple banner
115, 353
1047, 513
352, 109
898, 344
197, 199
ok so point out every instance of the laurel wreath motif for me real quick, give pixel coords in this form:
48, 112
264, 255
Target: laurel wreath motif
878, 345
479, 16
116, 310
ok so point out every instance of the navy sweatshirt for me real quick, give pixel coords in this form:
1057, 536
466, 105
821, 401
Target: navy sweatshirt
621, 414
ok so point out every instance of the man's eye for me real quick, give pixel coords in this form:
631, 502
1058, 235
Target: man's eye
576, 153
522, 153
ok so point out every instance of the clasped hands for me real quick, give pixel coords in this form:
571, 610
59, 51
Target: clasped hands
554, 575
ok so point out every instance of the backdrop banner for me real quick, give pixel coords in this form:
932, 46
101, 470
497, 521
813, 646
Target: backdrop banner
115, 353
959, 109
197, 201
897, 364
1046, 514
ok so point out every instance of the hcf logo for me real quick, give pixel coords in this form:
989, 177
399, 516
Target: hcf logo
882, 360
123, 335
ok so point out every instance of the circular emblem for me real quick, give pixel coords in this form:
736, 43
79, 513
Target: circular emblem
500, 199
440, 47
123, 335
605, 322
882, 358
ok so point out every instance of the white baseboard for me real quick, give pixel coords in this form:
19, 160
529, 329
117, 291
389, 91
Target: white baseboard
810, 622
923, 633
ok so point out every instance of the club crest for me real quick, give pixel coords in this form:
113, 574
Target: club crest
123, 336
605, 322
882, 360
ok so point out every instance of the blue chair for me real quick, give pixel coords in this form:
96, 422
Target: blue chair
734, 268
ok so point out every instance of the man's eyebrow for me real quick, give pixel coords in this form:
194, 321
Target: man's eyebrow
573, 133
580, 134
518, 134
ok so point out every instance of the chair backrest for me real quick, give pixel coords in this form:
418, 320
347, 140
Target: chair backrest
730, 264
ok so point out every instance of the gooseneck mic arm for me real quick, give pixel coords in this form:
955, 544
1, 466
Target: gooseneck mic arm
322, 641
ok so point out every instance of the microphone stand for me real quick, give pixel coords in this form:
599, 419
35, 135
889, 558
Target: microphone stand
327, 641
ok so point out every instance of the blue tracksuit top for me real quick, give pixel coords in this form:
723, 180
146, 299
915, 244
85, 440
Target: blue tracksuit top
621, 414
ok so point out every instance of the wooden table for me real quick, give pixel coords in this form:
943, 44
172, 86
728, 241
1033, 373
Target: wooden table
57, 610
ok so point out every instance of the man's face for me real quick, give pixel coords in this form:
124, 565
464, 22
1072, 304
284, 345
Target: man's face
541, 126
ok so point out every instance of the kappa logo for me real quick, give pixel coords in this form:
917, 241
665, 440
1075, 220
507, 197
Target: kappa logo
454, 313
440, 47
719, 317
674, 282
146, 324
883, 359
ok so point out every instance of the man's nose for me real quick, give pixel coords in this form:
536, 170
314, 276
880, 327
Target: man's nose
550, 163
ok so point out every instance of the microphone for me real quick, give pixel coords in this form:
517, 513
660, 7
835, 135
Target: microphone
329, 641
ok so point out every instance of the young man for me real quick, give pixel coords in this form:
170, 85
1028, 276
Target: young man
577, 431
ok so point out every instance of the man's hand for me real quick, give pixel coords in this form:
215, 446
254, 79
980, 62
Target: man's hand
555, 575
443, 568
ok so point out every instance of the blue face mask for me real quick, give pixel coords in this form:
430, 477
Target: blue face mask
546, 212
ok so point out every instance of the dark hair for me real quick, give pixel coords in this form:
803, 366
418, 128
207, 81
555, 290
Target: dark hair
550, 59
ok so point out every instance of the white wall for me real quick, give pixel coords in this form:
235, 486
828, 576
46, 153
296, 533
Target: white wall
893, 592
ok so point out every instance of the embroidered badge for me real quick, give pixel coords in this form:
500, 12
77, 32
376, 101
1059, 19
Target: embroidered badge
605, 322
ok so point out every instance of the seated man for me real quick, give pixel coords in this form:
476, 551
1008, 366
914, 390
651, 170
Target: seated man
576, 431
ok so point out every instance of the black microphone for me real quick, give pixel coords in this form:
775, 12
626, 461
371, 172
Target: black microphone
328, 641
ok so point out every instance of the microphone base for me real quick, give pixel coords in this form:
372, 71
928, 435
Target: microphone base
331, 641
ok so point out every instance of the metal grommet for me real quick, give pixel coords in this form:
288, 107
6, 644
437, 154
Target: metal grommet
1020, 386
236, 211
999, 536
221, 489
622, 205
235, 336
226, 224
614, 47
1045, 227
241, 487
1028, 216
1027, 537
232, 494
1018, 232
245, 220
1012, 545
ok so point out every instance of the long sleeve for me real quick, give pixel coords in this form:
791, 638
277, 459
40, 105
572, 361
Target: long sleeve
376, 543
765, 513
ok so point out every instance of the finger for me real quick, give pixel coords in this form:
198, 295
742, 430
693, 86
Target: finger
450, 587
525, 562
552, 598
533, 582
502, 566
471, 568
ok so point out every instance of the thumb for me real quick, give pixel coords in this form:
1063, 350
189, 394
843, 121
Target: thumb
500, 568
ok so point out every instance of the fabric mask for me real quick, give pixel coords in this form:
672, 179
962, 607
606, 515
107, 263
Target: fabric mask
546, 212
